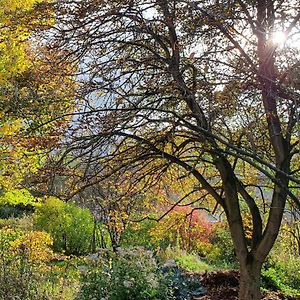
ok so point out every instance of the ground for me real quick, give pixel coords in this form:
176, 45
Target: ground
223, 285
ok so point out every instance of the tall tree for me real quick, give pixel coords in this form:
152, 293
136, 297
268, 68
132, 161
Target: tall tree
203, 85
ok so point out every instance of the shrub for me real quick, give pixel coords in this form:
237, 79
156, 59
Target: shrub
192, 262
13, 269
31, 245
282, 275
22, 278
18, 279
70, 226
34, 245
15, 211
25, 223
16, 203
129, 274
25, 271
16, 197
222, 252
7, 237
138, 234
282, 269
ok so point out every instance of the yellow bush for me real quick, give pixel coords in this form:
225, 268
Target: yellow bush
36, 245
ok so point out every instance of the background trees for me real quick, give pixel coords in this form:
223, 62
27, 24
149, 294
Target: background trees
31, 90
200, 85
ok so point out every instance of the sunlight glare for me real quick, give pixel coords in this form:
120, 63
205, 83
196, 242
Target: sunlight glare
279, 38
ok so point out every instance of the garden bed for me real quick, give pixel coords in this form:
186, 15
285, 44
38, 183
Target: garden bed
223, 285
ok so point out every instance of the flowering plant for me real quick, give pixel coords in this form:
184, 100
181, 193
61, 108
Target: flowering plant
128, 274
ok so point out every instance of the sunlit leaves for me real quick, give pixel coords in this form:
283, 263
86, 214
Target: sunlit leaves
31, 91
16, 158
13, 35
35, 245
16, 197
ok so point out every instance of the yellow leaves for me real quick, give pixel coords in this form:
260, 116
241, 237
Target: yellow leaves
32, 245
117, 219
12, 60
14, 5
13, 56
35, 245
15, 28
15, 159
15, 197
26, 88
10, 127
7, 236
249, 174
248, 226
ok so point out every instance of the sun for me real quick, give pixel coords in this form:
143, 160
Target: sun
279, 38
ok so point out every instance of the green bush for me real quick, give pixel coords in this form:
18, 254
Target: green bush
70, 226
222, 253
192, 262
282, 269
129, 274
282, 276
138, 234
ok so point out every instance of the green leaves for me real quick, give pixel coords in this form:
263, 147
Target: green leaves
70, 226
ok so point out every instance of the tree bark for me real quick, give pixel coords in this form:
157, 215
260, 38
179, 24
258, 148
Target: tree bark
250, 280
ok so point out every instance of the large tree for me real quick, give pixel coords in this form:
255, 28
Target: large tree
200, 85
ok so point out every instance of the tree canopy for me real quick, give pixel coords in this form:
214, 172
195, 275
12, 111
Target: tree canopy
201, 86
166, 103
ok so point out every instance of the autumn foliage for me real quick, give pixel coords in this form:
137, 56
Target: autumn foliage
186, 228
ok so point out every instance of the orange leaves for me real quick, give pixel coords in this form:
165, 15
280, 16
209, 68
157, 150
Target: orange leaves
184, 227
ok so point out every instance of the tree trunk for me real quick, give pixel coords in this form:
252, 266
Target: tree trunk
250, 280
